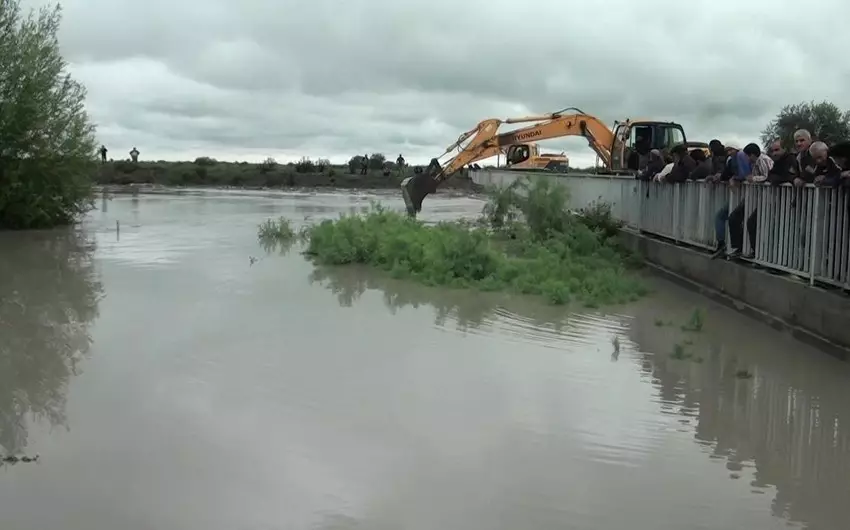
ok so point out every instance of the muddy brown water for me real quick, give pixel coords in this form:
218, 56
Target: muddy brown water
168, 383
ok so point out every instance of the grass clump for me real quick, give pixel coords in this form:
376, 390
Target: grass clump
276, 230
680, 352
527, 241
695, 322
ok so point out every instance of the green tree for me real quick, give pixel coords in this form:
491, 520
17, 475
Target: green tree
354, 164
376, 161
824, 120
47, 142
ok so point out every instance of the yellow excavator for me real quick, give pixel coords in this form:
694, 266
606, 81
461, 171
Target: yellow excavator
525, 157
622, 150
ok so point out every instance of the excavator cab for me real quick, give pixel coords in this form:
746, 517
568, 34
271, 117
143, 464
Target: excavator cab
517, 154
528, 157
634, 140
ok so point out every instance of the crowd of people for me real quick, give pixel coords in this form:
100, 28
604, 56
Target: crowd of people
810, 162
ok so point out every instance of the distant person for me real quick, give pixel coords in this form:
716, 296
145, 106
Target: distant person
399, 162
103, 151
364, 165
134, 155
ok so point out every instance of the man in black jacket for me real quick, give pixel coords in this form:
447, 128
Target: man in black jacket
783, 170
683, 164
653, 167
719, 157
840, 153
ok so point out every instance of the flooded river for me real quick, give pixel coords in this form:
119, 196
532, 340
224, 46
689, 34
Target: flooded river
168, 381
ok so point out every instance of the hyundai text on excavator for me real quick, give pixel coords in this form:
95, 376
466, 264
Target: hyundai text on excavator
623, 150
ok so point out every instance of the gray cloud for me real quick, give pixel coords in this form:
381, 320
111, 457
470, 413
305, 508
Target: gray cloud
328, 78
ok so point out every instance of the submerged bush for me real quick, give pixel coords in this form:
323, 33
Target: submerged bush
275, 231
527, 241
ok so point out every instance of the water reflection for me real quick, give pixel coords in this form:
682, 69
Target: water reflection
525, 319
786, 427
350, 283
275, 246
49, 295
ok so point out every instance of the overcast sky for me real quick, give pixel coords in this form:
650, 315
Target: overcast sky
249, 79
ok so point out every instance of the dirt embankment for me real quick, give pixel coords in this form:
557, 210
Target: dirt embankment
248, 175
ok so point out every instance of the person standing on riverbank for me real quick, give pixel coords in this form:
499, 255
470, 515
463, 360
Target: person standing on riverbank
103, 151
134, 155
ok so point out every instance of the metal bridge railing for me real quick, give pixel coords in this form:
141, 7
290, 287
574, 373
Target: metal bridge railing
621, 194
803, 231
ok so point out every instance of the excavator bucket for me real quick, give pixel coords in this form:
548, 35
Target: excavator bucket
414, 189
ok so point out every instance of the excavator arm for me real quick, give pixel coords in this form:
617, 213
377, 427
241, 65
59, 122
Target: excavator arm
483, 142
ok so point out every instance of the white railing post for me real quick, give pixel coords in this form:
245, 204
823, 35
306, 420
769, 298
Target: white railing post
813, 245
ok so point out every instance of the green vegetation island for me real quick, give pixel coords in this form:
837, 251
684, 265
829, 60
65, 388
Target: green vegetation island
526, 241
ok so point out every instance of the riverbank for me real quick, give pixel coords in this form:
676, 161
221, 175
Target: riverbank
215, 174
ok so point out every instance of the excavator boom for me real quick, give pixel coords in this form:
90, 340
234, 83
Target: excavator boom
483, 142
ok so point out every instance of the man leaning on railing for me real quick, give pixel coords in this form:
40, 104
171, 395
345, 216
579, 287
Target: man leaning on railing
761, 165
826, 172
784, 164
738, 167
840, 154
683, 164
805, 167
653, 167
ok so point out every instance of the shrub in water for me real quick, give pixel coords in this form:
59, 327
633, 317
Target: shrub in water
275, 230
527, 242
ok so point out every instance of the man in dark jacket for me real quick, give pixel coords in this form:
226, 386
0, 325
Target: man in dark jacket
683, 164
653, 167
840, 153
784, 163
804, 169
827, 172
718, 159
703, 169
